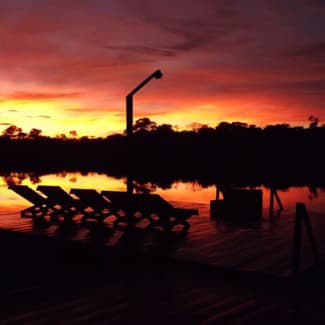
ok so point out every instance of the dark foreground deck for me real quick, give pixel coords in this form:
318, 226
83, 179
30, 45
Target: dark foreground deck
264, 247
92, 275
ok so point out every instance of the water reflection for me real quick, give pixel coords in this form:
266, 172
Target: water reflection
179, 191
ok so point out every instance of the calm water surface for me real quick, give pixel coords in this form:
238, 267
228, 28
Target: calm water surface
179, 191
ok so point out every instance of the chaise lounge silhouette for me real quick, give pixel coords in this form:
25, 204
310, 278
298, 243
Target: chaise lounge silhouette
164, 214
41, 206
95, 206
129, 207
153, 207
66, 206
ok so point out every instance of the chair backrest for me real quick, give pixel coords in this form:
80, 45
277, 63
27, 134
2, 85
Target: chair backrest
148, 202
158, 203
91, 198
56, 194
123, 200
116, 196
28, 194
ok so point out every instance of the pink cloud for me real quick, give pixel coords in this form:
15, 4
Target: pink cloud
20, 95
268, 52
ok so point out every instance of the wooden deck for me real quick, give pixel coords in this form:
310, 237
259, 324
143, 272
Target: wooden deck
154, 297
149, 297
263, 248
63, 290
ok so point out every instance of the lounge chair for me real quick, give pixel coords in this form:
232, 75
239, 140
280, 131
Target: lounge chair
128, 205
95, 206
164, 214
40, 206
66, 206
157, 210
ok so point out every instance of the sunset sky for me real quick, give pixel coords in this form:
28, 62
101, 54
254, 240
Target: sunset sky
68, 64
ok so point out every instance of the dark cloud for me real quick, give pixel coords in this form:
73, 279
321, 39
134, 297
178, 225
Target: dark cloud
21, 95
142, 50
315, 50
297, 88
318, 3
86, 110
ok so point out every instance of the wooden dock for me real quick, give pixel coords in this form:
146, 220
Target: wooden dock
58, 288
265, 247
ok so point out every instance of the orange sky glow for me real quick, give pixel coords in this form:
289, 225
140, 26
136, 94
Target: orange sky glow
68, 65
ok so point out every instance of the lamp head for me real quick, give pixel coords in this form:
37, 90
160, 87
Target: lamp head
158, 74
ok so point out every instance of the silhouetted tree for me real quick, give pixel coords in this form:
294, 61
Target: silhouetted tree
34, 133
195, 126
12, 132
223, 126
314, 121
61, 136
231, 151
21, 135
144, 187
205, 130
239, 124
73, 134
165, 129
277, 127
144, 124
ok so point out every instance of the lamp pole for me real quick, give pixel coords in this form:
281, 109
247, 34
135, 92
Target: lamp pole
129, 118
129, 101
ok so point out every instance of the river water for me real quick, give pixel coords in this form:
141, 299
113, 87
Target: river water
181, 192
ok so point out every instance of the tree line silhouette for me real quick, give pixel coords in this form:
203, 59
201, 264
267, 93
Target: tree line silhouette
230, 152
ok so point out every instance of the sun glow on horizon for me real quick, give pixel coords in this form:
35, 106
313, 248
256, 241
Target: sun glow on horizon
69, 67
56, 117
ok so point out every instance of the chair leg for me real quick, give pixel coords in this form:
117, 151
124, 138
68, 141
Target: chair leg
34, 212
186, 225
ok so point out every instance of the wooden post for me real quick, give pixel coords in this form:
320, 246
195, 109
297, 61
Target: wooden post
274, 194
271, 202
278, 199
300, 218
129, 126
297, 235
310, 233
129, 115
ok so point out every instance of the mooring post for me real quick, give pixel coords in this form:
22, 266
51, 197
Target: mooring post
271, 202
218, 193
278, 199
300, 219
310, 234
297, 235
274, 194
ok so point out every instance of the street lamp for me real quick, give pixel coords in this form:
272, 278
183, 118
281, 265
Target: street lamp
129, 101
129, 120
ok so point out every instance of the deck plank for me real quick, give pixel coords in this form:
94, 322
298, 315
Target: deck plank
265, 248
